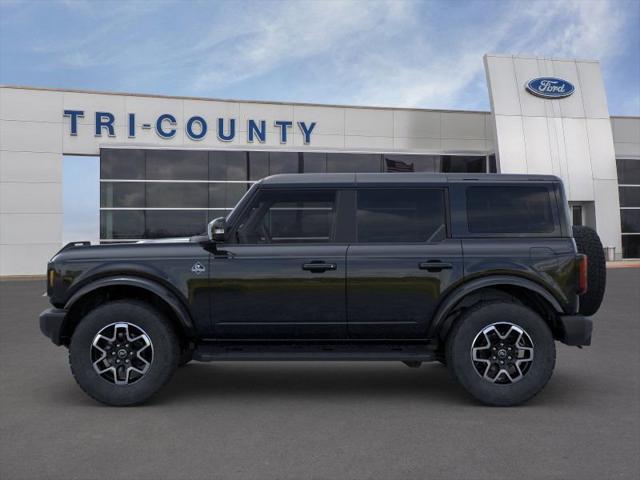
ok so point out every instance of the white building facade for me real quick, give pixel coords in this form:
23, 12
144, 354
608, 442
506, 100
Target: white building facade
169, 164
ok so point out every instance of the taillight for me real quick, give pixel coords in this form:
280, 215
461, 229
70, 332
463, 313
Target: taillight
582, 275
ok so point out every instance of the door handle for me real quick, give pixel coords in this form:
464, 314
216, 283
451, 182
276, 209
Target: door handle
434, 266
319, 267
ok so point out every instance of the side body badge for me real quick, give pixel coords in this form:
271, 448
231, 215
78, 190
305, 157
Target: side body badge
198, 268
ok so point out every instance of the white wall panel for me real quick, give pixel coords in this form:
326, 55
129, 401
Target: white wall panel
28, 228
30, 167
626, 130
503, 86
537, 145
601, 149
557, 150
572, 105
578, 160
592, 86
211, 110
361, 142
416, 124
369, 122
627, 150
607, 206
30, 197
525, 70
465, 126
30, 105
26, 259
18, 136
511, 146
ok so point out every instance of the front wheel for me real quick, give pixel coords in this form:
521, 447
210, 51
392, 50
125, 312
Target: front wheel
501, 353
123, 352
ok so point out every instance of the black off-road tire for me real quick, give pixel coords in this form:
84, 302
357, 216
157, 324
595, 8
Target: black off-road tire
165, 350
468, 329
588, 243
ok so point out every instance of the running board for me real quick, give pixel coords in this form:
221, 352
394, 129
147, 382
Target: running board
232, 351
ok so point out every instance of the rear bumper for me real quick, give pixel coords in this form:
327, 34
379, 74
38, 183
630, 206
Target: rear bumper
51, 322
575, 330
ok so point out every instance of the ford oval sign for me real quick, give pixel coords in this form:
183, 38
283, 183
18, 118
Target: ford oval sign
550, 87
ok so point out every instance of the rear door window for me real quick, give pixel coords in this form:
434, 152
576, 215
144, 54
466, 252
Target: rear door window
401, 215
510, 209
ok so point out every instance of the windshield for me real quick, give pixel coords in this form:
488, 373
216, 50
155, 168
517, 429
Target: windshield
233, 213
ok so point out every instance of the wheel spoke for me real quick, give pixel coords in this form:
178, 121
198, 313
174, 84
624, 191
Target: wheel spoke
114, 350
502, 353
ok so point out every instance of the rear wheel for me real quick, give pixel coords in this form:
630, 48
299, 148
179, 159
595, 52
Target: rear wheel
588, 243
501, 353
123, 352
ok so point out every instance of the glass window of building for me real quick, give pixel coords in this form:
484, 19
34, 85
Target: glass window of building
122, 164
284, 162
314, 162
226, 195
464, 164
214, 181
629, 196
394, 215
353, 162
411, 163
122, 195
630, 221
629, 189
175, 223
228, 165
177, 195
258, 165
177, 165
122, 224
628, 171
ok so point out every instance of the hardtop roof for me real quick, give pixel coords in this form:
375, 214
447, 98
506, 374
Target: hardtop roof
354, 179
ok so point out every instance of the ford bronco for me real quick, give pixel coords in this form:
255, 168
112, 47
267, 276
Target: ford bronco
482, 273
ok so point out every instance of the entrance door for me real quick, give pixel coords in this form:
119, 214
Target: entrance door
401, 264
284, 275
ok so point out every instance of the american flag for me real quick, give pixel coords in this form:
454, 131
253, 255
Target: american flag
398, 166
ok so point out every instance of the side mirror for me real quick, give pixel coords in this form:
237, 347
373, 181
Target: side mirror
217, 230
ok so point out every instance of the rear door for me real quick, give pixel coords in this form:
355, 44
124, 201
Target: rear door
401, 263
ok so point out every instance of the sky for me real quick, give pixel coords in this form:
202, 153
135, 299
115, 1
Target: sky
378, 53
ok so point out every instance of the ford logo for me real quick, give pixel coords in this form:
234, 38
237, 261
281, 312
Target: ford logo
550, 87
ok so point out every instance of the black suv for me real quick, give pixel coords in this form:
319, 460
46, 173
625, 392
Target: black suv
479, 272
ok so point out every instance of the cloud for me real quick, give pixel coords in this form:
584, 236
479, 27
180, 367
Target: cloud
386, 52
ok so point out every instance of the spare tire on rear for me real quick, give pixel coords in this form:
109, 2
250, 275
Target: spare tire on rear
588, 243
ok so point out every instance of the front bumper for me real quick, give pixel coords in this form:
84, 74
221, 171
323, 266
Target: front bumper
51, 324
575, 330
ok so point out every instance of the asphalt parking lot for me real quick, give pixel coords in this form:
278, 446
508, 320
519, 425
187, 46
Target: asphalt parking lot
322, 420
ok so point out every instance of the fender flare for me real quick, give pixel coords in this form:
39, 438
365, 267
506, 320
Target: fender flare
440, 324
175, 304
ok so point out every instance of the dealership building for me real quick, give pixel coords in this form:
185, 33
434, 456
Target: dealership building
170, 164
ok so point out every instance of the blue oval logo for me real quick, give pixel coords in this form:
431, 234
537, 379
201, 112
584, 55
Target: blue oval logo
550, 87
